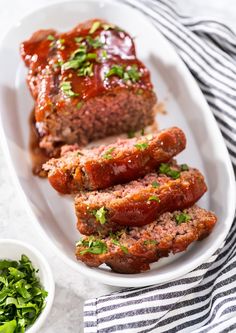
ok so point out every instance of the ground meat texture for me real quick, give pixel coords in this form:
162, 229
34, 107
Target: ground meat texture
137, 203
125, 160
133, 249
87, 84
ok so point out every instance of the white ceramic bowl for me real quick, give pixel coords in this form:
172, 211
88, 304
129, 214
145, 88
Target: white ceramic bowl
13, 249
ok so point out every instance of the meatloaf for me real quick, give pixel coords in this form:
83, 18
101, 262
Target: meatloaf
133, 249
101, 167
87, 84
139, 202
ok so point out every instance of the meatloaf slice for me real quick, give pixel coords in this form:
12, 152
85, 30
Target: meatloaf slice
120, 162
133, 249
139, 202
87, 84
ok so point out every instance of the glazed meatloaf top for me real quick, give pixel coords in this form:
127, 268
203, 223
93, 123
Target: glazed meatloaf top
133, 249
93, 46
67, 70
139, 202
104, 166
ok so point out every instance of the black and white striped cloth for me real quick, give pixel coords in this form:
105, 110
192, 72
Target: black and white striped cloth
205, 299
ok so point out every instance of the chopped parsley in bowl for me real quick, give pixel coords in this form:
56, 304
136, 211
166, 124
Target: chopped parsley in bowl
26, 288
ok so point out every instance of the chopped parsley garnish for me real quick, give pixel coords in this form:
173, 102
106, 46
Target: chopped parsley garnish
128, 74
155, 184
154, 198
60, 43
131, 134
107, 155
184, 167
56, 43
141, 146
91, 56
79, 60
79, 105
122, 247
94, 246
76, 59
150, 242
132, 74
94, 27
167, 170
81, 49
116, 70
100, 214
182, 217
78, 39
111, 27
67, 89
86, 70
115, 242
104, 54
50, 37
108, 26
73, 64
22, 297
94, 42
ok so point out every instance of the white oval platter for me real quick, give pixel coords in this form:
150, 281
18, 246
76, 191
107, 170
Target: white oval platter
186, 106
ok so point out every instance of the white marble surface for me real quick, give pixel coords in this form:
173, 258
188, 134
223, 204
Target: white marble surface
71, 287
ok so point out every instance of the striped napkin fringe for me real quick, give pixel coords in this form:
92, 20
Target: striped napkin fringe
203, 300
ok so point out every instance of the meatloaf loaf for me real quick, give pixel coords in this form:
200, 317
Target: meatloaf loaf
120, 162
87, 84
139, 202
133, 249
